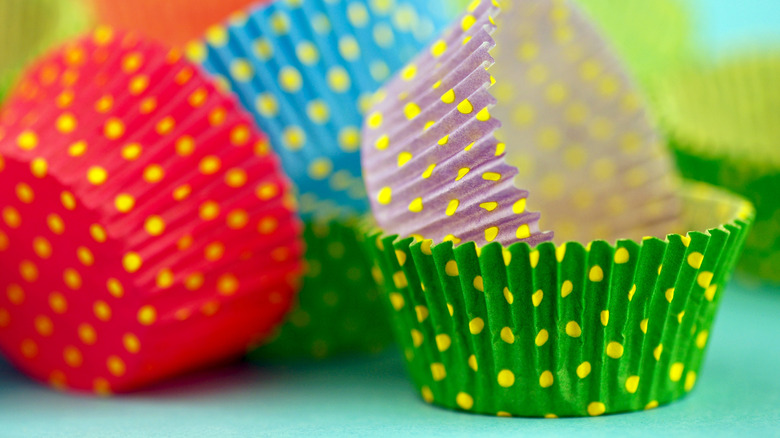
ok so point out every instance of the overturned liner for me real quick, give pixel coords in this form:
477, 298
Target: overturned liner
339, 309
143, 211
307, 70
739, 150
568, 331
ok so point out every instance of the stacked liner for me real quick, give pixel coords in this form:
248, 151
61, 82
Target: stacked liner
307, 70
509, 328
174, 22
29, 27
147, 230
722, 121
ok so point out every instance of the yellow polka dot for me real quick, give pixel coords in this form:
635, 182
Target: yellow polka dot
115, 288
541, 337
116, 366
25, 193
690, 380
573, 329
523, 232
476, 326
506, 378
78, 148
695, 259
704, 279
27, 140
132, 262
464, 401
29, 348
479, 283
438, 372
416, 206
701, 339
68, 200
338, 79
621, 256
228, 284
113, 129
632, 383
124, 203
427, 394
411, 110
39, 167
443, 342
533, 256
66, 123
669, 294
320, 169
97, 175
29, 271
44, 325
147, 315
709, 293
676, 371
546, 380
12, 217
472, 361
583, 370
466, 107
131, 343
491, 234
98, 233
290, 79
596, 408
615, 350
448, 97
102, 310
55, 223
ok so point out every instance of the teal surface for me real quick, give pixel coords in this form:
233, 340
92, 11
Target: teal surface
738, 394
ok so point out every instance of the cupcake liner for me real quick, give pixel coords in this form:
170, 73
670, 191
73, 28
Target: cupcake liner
568, 331
146, 213
632, 29
339, 309
722, 128
306, 70
29, 27
174, 22
576, 131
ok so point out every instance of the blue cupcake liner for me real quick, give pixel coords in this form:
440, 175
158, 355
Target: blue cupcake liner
307, 69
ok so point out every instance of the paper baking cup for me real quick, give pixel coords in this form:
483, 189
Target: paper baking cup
306, 70
339, 309
146, 226
174, 22
574, 128
29, 27
632, 28
569, 331
722, 121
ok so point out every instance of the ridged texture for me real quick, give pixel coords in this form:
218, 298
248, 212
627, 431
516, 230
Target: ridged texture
575, 129
722, 123
339, 309
174, 22
632, 28
147, 230
29, 27
433, 166
306, 70
567, 331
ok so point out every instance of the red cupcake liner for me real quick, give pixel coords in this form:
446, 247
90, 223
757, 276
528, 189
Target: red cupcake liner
149, 231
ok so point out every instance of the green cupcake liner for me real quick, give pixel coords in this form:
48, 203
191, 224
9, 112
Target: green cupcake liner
30, 27
340, 309
567, 331
722, 124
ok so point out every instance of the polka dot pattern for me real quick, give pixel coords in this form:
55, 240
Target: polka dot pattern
734, 149
166, 239
575, 133
435, 120
307, 69
574, 330
339, 310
